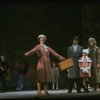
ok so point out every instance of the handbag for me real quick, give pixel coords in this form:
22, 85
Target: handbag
66, 64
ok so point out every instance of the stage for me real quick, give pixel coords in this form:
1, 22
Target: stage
62, 93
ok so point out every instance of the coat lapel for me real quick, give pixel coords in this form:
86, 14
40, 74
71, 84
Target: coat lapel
72, 48
77, 48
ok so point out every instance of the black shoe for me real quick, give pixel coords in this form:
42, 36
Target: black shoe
79, 91
87, 91
69, 91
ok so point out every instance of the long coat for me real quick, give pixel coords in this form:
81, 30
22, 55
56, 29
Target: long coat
44, 69
95, 57
73, 71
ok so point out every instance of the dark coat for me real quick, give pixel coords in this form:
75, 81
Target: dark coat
73, 72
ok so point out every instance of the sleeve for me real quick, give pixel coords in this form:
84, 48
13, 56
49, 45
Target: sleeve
81, 49
80, 62
56, 54
68, 52
32, 51
89, 60
98, 55
90, 64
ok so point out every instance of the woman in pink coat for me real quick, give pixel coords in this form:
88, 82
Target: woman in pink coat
44, 73
85, 68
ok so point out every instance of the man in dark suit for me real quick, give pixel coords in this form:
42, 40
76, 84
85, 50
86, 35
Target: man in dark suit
74, 52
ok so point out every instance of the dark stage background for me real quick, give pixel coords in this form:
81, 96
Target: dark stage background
21, 23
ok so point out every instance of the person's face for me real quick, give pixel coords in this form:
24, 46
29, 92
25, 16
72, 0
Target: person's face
91, 43
75, 41
84, 54
42, 40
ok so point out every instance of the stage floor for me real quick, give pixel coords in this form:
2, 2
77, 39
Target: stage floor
62, 93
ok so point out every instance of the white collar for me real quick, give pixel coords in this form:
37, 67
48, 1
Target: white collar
75, 45
87, 58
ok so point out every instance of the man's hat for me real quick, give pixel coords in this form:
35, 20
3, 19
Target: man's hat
76, 37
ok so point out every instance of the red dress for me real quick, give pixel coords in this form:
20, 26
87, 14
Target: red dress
44, 69
85, 62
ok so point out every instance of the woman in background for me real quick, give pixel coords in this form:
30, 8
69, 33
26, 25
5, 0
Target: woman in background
94, 54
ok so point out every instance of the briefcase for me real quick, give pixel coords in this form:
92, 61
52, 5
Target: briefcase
66, 64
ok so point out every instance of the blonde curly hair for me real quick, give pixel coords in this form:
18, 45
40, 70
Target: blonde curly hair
92, 39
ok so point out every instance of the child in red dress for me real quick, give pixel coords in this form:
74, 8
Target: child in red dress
85, 68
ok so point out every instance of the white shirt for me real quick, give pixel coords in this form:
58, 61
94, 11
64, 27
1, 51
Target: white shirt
75, 47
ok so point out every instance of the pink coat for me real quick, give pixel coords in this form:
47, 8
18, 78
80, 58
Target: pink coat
44, 69
85, 63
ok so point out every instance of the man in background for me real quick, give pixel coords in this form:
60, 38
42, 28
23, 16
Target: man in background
74, 52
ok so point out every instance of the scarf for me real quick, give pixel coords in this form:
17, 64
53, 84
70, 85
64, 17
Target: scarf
45, 47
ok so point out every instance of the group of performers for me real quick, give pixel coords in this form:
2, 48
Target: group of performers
86, 65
